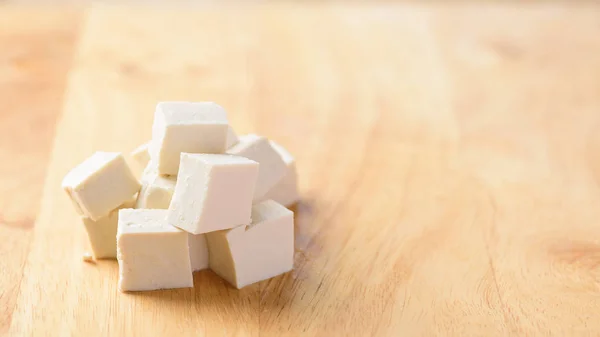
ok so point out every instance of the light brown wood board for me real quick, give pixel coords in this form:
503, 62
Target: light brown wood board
448, 157
35, 56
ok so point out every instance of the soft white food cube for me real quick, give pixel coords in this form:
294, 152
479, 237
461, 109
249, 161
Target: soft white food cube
285, 191
103, 233
213, 192
151, 253
178, 127
140, 155
232, 137
248, 254
156, 193
100, 184
198, 251
272, 167
157, 190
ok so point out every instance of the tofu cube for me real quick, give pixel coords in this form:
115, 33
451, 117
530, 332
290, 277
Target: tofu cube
156, 193
272, 168
285, 191
232, 137
198, 251
157, 190
100, 184
178, 127
213, 192
140, 157
248, 254
151, 253
103, 233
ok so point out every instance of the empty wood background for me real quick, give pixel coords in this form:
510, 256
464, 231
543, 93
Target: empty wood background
448, 156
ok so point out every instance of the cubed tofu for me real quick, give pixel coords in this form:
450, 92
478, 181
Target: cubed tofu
139, 159
232, 137
213, 192
272, 167
248, 254
140, 155
102, 233
100, 184
157, 190
199, 127
198, 251
285, 191
152, 254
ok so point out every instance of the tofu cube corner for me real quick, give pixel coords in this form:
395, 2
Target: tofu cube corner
198, 251
213, 192
102, 233
157, 190
248, 254
100, 184
285, 191
232, 137
272, 167
140, 158
151, 253
191, 127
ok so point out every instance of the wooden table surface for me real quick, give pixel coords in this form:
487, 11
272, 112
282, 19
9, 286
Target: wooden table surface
448, 156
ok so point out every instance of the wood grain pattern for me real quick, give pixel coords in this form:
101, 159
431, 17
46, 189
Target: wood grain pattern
448, 158
34, 62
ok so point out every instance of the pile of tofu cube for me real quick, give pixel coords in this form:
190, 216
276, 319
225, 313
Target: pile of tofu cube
206, 199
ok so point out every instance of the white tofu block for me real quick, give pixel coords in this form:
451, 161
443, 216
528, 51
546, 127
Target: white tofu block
198, 251
151, 253
213, 192
285, 191
140, 155
156, 193
100, 184
178, 127
157, 190
103, 233
232, 137
272, 168
248, 254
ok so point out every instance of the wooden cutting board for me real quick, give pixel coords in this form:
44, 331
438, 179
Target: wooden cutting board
448, 157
